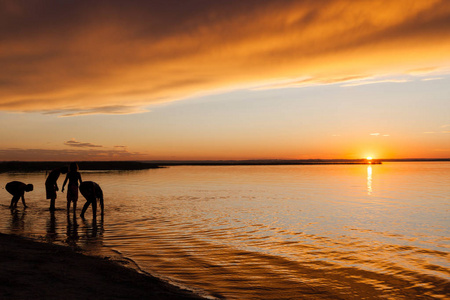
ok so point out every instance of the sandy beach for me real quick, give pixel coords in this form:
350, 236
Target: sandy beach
33, 270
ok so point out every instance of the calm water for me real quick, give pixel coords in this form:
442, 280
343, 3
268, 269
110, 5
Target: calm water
265, 232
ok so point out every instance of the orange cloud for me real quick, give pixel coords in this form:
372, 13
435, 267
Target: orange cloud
84, 57
74, 143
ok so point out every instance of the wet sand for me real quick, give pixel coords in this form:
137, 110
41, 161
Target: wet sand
32, 270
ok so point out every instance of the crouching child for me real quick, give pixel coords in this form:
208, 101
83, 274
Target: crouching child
18, 189
91, 191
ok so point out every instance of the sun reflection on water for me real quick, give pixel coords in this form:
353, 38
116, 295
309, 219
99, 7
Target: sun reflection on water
369, 180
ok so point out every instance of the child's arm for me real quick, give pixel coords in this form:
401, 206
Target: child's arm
65, 181
23, 200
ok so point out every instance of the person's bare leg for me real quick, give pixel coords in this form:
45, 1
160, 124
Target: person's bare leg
52, 204
94, 208
13, 202
74, 209
85, 207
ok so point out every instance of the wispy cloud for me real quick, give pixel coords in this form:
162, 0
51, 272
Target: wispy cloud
434, 132
358, 83
432, 78
423, 71
311, 81
74, 143
108, 110
116, 57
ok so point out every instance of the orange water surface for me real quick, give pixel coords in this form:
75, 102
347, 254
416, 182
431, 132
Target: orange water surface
264, 232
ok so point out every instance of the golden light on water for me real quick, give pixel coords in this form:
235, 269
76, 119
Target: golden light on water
369, 180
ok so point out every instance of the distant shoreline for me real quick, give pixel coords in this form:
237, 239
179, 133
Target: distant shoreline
37, 166
267, 162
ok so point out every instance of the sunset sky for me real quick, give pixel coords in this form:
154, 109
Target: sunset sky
203, 79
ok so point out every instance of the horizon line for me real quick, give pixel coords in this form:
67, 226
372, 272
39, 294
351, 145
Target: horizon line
242, 160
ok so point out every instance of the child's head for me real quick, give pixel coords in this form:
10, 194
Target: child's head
73, 167
28, 188
64, 170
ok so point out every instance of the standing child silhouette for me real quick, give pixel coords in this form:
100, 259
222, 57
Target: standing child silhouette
73, 176
51, 185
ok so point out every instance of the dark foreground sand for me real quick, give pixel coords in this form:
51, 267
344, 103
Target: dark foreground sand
32, 270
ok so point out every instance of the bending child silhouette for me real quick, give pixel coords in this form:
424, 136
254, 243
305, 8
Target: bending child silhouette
91, 191
51, 185
18, 189
73, 176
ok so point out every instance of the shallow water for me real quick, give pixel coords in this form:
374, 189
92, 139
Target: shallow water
265, 232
